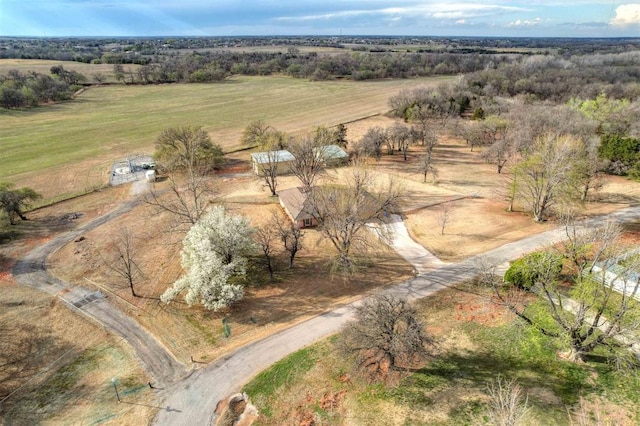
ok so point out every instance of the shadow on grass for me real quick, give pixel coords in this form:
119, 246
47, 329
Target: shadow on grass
467, 369
9, 234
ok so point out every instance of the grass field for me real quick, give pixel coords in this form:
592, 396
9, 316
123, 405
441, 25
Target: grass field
73, 143
44, 67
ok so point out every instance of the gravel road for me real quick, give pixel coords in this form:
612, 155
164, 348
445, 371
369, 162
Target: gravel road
32, 271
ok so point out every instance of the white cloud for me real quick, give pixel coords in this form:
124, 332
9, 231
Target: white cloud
461, 21
524, 22
626, 15
455, 11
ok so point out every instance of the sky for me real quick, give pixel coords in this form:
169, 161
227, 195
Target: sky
500, 18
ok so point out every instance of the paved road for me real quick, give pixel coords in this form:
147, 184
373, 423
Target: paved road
32, 271
191, 401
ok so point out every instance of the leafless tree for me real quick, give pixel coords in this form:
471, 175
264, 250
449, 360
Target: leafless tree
499, 153
400, 137
472, 133
290, 235
600, 309
185, 200
308, 162
443, 216
386, 334
344, 212
268, 170
427, 167
265, 237
125, 264
372, 142
507, 402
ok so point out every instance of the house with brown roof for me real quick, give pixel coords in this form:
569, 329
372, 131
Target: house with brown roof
297, 206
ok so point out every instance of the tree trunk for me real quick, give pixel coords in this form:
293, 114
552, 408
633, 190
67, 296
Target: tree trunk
574, 355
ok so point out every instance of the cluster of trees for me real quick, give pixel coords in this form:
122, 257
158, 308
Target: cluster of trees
554, 154
588, 292
132, 49
18, 90
218, 249
218, 244
559, 79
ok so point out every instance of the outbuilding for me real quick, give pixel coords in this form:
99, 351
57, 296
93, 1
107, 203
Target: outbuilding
281, 159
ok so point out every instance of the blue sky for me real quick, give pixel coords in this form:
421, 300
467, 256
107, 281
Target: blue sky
551, 18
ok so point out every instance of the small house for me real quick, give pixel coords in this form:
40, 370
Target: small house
281, 159
297, 206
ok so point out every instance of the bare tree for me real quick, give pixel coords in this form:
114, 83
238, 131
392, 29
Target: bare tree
400, 137
472, 133
443, 216
371, 143
125, 264
186, 201
344, 212
265, 237
601, 307
386, 334
290, 234
268, 170
507, 402
498, 153
308, 162
423, 134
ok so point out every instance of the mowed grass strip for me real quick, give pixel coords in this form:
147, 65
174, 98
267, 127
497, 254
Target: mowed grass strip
106, 123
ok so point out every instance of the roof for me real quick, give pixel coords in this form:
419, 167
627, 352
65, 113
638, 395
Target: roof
332, 152
272, 156
296, 202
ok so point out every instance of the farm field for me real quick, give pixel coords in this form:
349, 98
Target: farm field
73, 143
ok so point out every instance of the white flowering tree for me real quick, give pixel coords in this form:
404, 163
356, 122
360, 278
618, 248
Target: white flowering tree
213, 251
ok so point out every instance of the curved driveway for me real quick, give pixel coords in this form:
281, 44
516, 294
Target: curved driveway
32, 271
192, 401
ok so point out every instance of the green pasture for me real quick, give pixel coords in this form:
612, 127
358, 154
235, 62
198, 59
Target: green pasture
108, 122
42, 66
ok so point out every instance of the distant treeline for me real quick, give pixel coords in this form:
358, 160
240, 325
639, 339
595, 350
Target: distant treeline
545, 76
25, 90
215, 66
143, 50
